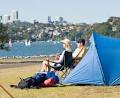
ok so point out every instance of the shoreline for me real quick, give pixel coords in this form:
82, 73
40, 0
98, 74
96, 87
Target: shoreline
6, 66
19, 57
33, 59
21, 62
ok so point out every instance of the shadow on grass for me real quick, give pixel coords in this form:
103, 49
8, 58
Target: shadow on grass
39, 87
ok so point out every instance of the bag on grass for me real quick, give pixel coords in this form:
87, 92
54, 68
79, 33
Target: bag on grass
49, 82
26, 83
52, 74
40, 77
34, 81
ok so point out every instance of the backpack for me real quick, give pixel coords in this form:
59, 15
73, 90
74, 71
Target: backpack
49, 82
34, 81
26, 83
52, 74
39, 77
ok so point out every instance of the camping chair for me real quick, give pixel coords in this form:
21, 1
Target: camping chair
69, 63
77, 59
65, 65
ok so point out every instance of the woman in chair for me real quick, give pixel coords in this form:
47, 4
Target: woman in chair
60, 60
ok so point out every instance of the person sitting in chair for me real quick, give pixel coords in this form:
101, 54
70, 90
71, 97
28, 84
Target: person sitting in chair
79, 51
65, 59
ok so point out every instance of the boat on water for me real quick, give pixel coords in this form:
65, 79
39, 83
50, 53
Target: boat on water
10, 43
49, 41
27, 42
56, 42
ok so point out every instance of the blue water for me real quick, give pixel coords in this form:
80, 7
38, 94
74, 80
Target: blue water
35, 49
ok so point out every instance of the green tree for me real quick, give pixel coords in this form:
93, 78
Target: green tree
44, 36
103, 28
3, 36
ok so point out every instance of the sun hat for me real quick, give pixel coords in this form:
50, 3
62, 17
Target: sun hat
66, 41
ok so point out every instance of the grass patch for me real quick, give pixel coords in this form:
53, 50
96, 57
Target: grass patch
10, 76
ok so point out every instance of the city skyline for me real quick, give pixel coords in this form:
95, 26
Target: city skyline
76, 11
9, 17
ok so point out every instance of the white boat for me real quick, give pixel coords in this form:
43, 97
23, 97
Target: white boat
10, 43
50, 40
27, 43
54, 42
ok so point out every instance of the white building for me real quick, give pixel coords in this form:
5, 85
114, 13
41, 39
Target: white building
6, 18
14, 15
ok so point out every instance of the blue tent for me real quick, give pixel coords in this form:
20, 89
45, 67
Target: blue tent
100, 65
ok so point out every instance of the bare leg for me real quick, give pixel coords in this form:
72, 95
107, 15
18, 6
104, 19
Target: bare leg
44, 66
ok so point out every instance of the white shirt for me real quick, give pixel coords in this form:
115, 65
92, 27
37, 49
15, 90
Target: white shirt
61, 57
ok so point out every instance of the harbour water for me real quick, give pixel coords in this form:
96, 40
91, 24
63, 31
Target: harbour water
38, 48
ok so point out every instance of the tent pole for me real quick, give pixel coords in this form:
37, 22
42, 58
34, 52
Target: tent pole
6, 91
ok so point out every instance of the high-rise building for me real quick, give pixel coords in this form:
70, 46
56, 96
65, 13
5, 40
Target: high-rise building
49, 19
61, 20
14, 15
6, 18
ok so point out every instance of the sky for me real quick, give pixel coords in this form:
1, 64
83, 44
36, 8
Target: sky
74, 11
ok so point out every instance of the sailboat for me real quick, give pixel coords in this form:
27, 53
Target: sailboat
27, 43
10, 43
